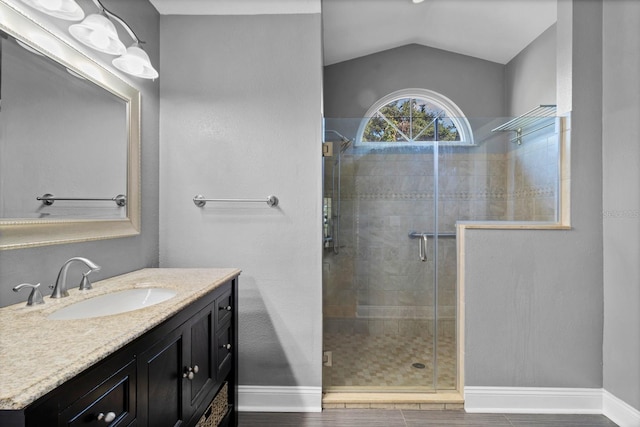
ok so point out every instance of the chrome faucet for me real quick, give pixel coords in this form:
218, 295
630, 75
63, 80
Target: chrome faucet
60, 288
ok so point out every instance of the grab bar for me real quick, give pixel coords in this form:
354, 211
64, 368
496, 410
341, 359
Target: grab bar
200, 201
424, 240
48, 199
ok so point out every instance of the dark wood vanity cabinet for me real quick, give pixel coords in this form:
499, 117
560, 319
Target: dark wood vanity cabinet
167, 377
180, 373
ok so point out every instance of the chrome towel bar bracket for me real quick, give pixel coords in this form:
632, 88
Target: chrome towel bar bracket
200, 201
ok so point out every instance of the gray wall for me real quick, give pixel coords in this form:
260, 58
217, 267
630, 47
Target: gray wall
621, 199
534, 299
116, 256
241, 118
530, 77
475, 85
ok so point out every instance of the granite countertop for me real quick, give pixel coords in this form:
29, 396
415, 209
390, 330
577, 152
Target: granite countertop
38, 354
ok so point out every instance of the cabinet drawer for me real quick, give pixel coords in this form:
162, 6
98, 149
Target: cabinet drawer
224, 341
113, 399
224, 308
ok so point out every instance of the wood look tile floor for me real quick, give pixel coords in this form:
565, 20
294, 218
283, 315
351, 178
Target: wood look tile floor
412, 418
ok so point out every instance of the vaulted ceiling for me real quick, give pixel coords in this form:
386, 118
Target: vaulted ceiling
494, 30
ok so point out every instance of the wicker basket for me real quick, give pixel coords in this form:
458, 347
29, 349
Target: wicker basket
216, 410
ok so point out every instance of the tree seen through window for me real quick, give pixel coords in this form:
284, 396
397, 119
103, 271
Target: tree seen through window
410, 120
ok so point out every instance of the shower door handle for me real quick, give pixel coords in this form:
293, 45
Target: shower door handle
423, 240
423, 247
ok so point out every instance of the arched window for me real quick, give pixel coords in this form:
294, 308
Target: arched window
414, 117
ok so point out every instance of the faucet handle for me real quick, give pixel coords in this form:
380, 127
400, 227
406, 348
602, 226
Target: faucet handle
85, 283
35, 297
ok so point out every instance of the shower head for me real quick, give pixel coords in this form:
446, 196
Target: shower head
344, 141
344, 145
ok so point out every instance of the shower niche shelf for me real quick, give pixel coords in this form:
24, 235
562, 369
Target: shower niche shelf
532, 121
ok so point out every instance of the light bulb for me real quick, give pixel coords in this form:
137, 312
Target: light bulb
99, 39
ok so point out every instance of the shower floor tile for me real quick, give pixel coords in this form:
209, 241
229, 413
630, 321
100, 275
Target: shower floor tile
373, 362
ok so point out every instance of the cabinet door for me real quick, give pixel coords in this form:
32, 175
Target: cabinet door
160, 382
224, 343
200, 372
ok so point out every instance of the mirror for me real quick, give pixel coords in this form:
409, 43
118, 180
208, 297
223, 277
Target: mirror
69, 142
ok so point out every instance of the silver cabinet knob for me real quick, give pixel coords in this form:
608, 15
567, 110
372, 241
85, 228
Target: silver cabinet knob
190, 372
227, 346
228, 308
107, 418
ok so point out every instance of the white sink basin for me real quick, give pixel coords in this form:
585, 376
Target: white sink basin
114, 303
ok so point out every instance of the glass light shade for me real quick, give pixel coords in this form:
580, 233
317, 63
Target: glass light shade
136, 63
99, 33
62, 9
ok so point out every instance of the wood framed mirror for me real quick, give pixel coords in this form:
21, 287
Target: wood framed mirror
86, 151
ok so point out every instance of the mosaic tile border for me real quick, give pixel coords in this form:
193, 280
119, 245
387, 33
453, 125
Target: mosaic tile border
460, 195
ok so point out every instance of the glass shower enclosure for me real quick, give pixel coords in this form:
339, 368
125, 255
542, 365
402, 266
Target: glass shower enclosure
389, 289
389, 265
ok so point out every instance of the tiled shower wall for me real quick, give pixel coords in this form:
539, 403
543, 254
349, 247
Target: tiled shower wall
376, 283
532, 185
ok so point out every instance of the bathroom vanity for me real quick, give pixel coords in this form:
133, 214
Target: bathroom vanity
161, 365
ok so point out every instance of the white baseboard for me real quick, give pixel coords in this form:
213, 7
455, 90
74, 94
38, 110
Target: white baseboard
279, 399
533, 400
619, 412
530, 400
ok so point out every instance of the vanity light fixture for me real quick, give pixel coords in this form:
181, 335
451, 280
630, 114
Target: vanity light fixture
417, 1
98, 32
136, 62
62, 9
101, 34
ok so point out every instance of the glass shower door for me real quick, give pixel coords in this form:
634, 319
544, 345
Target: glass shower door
379, 283
453, 186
